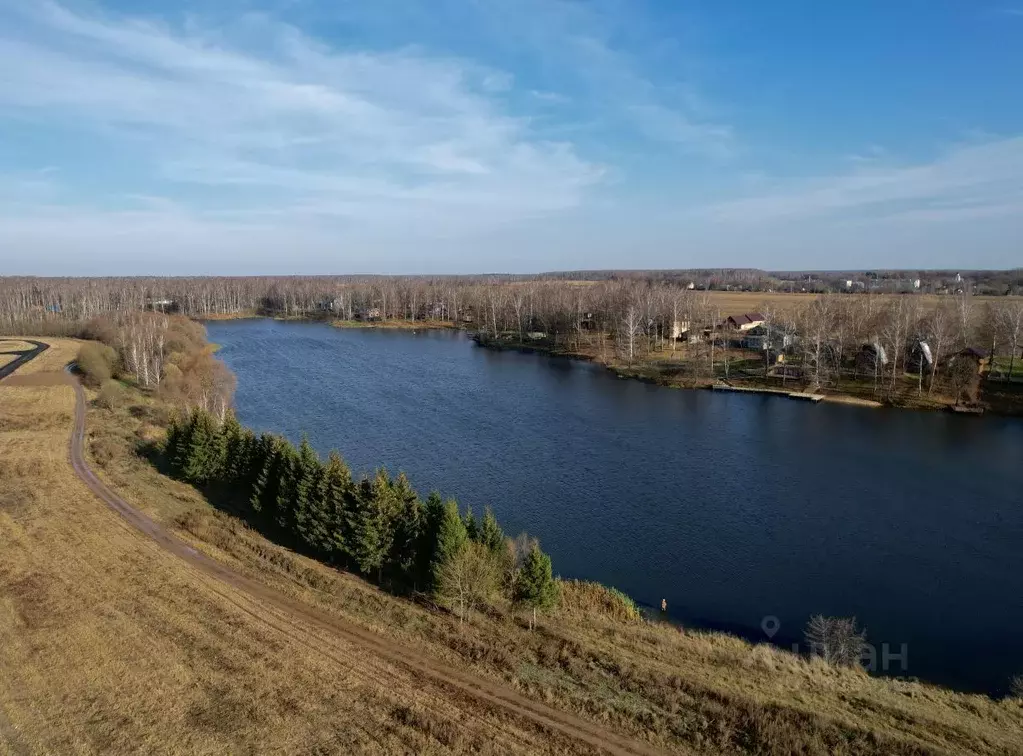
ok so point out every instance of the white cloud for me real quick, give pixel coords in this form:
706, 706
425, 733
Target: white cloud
367, 137
969, 181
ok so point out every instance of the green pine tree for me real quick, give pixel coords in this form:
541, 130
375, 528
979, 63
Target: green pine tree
365, 529
491, 535
451, 538
472, 528
233, 440
288, 474
265, 488
201, 449
328, 523
308, 471
534, 585
403, 559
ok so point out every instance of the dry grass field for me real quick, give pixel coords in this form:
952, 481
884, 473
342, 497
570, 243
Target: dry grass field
736, 302
110, 645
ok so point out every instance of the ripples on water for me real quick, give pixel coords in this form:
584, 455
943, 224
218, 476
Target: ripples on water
730, 507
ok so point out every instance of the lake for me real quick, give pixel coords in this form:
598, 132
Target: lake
733, 508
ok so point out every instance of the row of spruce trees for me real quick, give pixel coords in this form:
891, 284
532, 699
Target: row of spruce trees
377, 526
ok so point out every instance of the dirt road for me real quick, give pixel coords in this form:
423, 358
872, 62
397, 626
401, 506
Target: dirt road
319, 630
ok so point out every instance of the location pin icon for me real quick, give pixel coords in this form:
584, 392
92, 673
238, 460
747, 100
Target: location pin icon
770, 625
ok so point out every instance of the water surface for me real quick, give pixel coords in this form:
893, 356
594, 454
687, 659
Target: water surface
731, 507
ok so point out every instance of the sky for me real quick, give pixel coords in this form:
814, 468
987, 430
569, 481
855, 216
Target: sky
470, 136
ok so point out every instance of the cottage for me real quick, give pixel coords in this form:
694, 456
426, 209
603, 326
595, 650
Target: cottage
744, 322
920, 359
871, 358
369, 313
778, 338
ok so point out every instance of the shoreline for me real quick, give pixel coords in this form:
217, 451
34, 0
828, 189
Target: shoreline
735, 385
634, 372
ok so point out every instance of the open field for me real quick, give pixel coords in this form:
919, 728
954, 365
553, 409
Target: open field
156, 656
735, 302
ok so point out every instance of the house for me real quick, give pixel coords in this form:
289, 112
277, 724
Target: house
920, 357
434, 311
761, 337
680, 330
744, 322
980, 359
871, 358
369, 313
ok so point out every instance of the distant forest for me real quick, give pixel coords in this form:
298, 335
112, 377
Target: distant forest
857, 327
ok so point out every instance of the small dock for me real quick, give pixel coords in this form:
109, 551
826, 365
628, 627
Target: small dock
962, 410
799, 395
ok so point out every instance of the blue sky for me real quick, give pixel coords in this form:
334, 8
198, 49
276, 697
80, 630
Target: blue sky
431, 136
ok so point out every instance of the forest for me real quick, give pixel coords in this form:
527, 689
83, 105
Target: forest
890, 347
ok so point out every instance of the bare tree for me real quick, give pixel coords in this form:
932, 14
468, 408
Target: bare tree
837, 640
470, 579
629, 327
1009, 320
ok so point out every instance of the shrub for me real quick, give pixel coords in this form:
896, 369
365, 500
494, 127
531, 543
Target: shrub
96, 363
579, 596
837, 640
111, 394
1016, 687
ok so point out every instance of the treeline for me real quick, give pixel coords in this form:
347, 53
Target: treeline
53, 303
377, 526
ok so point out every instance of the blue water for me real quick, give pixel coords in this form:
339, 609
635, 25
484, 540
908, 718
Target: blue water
732, 508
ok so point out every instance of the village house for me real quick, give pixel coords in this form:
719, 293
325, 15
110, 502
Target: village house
760, 337
369, 313
744, 322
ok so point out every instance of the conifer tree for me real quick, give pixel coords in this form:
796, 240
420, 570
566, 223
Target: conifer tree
365, 526
450, 540
265, 488
491, 535
408, 527
534, 585
200, 450
233, 439
181, 447
328, 523
308, 470
472, 529
288, 473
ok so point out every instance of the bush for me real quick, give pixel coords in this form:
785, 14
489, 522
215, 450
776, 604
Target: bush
96, 363
582, 597
1016, 687
837, 640
111, 394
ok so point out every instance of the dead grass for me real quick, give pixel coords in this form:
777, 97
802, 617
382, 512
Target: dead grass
15, 345
701, 692
736, 302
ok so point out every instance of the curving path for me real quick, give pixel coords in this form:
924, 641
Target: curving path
295, 619
9, 368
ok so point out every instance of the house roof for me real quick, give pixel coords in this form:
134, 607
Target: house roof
746, 317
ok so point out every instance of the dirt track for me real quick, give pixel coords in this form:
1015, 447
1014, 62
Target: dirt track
318, 630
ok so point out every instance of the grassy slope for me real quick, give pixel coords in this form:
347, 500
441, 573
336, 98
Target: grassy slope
153, 657
110, 645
